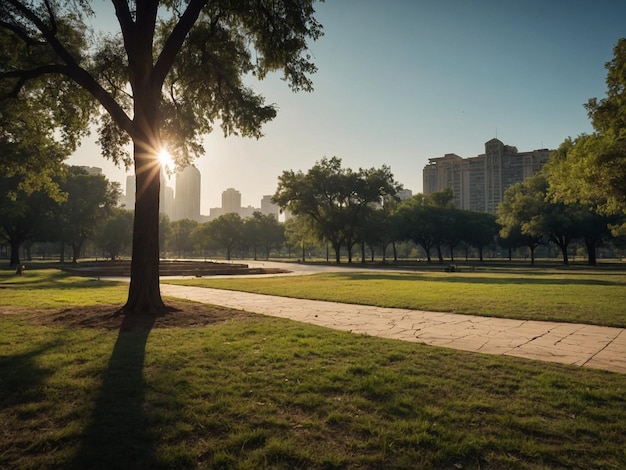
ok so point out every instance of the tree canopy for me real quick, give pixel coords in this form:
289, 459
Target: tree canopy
170, 72
335, 199
591, 169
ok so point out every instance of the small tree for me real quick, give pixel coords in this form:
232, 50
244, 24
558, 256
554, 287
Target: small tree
116, 234
90, 199
181, 239
225, 232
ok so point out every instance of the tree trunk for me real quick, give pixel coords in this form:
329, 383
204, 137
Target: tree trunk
62, 253
591, 252
565, 255
144, 295
15, 254
337, 248
439, 254
76, 247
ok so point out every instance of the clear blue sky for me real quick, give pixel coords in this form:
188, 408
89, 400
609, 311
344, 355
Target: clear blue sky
400, 82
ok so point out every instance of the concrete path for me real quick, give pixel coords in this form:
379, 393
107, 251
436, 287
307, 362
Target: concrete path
582, 345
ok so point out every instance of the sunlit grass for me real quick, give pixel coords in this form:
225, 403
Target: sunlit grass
270, 393
51, 288
585, 297
258, 392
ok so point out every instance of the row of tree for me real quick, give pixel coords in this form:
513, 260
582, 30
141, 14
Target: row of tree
333, 206
69, 215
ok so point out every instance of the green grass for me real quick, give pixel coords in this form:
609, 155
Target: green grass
257, 392
56, 289
574, 296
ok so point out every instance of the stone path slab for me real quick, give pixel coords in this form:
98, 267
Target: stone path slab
568, 343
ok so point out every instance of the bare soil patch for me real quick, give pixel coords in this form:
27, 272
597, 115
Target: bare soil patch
179, 314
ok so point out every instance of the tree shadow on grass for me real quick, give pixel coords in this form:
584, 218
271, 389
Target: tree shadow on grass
118, 435
22, 376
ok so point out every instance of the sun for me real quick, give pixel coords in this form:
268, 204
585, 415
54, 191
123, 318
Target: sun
166, 160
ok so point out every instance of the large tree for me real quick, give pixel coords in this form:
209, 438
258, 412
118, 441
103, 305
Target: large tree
335, 199
171, 71
89, 201
591, 169
23, 214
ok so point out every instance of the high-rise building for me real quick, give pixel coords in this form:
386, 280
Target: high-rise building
129, 199
166, 198
187, 200
404, 194
478, 183
231, 201
268, 207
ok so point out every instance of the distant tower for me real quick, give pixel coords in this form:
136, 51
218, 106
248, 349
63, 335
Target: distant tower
187, 202
404, 194
166, 198
268, 207
129, 201
231, 201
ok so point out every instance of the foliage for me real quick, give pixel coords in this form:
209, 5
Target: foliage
591, 169
425, 220
181, 239
90, 199
335, 199
225, 232
115, 234
299, 236
23, 217
265, 231
528, 207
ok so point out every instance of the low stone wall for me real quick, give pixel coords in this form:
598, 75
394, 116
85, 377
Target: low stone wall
168, 268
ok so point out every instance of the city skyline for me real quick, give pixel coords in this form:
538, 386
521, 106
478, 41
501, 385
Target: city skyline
182, 199
402, 82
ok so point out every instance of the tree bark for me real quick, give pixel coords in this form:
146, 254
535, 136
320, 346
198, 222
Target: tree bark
144, 295
591, 252
15, 254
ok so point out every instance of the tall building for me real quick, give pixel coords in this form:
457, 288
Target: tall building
187, 200
478, 183
129, 199
268, 207
231, 201
166, 198
404, 194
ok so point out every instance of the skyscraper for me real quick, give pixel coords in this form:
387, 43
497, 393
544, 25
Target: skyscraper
187, 200
479, 183
231, 201
268, 207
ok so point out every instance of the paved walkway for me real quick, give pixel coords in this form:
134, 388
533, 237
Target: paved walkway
582, 345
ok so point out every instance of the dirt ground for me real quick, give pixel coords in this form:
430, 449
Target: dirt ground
179, 314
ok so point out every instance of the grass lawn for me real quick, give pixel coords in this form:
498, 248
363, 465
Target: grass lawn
205, 387
584, 296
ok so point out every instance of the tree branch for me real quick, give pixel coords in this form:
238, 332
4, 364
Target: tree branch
21, 33
175, 41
